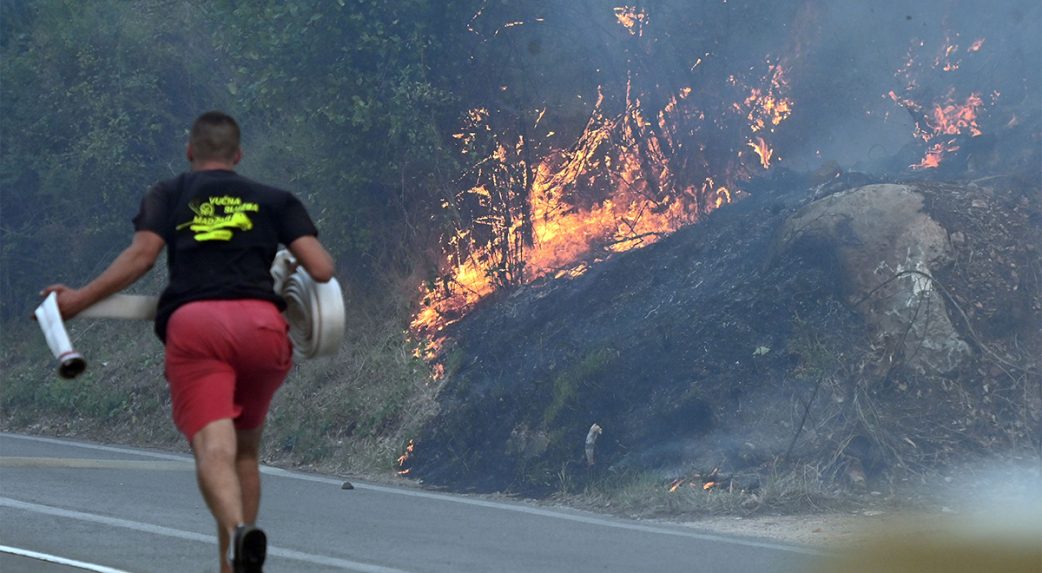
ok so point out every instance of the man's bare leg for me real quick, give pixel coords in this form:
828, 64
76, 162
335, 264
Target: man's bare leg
215, 448
247, 465
223, 542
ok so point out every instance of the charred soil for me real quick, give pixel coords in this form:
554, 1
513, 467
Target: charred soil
735, 352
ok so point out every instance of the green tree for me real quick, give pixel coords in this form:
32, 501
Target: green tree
95, 99
345, 111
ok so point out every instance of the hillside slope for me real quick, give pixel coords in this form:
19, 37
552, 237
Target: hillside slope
740, 345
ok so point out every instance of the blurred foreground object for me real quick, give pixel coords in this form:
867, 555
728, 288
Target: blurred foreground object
123, 306
994, 542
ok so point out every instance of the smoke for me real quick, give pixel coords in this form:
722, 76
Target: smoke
925, 50
1002, 488
863, 78
842, 59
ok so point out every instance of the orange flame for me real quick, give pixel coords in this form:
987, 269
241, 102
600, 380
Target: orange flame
941, 127
405, 457
642, 206
723, 197
768, 109
941, 124
765, 109
631, 18
947, 60
709, 485
614, 189
763, 151
675, 485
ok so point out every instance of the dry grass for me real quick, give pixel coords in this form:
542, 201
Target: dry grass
122, 397
352, 413
646, 495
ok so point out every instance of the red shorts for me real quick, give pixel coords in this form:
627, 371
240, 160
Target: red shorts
225, 359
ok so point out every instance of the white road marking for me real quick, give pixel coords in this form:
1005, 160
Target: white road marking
96, 464
590, 520
98, 447
191, 536
59, 560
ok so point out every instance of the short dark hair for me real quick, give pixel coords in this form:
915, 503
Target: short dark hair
215, 135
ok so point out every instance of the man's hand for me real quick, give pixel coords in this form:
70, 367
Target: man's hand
128, 267
70, 301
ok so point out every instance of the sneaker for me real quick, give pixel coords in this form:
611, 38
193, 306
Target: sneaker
251, 546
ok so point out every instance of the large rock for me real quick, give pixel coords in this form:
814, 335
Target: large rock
886, 248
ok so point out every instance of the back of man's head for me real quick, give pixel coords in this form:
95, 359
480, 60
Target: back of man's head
215, 136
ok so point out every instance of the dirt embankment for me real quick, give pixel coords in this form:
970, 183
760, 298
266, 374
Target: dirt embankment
872, 332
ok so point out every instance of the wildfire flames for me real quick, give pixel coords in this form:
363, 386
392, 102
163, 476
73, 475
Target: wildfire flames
631, 18
768, 109
530, 209
697, 482
402, 459
613, 190
943, 124
763, 151
559, 226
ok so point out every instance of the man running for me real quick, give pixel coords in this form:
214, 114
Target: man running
227, 344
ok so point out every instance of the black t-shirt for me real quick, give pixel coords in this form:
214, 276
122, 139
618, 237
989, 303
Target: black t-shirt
222, 231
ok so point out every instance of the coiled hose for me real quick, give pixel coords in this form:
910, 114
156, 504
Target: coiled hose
315, 311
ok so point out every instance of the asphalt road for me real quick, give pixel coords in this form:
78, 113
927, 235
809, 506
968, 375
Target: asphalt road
72, 506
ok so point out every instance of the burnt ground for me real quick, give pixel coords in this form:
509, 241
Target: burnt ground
716, 348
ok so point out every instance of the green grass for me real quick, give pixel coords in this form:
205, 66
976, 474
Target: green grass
122, 395
352, 412
568, 383
349, 413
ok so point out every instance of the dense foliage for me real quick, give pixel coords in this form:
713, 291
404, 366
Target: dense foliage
336, 103
355, 105
426, 135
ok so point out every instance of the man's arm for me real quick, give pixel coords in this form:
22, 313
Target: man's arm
311, 255
128, 267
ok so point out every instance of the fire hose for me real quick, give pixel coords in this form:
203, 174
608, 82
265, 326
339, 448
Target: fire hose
314, 312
